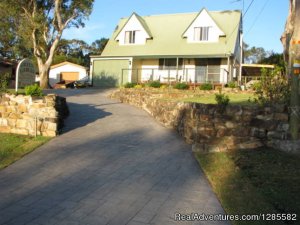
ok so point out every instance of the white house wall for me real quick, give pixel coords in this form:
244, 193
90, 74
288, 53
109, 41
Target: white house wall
54, 74
133, 25
204, 20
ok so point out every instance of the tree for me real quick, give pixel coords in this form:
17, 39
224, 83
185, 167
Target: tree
98, 46
254, 54
74, 50
274, 59
42, 22
291, 44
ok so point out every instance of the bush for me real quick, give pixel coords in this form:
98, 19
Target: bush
129, 85
33, 90
138, 86
222, 100
163, 86
232, 84
272, 88
4, 82
181, 86
154, 84
206, 87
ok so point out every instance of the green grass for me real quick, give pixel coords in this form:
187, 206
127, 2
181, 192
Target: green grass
13, 91
235, 98
254, 182
14, 147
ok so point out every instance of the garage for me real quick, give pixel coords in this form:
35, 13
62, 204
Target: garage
110, 72
67, 71
70, 76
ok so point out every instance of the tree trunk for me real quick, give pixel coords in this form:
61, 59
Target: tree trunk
291, 43
44, 78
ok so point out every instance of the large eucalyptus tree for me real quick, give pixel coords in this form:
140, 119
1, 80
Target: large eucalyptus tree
41, 24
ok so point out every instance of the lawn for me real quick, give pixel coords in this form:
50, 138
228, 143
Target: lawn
255, 182
14, 147
235, 98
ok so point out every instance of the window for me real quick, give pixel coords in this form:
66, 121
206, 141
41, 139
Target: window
201, 33
169, 64
130, 37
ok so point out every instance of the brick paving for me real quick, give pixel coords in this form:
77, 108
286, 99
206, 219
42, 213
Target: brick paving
113, 165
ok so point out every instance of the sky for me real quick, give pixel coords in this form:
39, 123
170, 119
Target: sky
263, 20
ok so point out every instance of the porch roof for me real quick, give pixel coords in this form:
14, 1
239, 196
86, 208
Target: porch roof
167, 38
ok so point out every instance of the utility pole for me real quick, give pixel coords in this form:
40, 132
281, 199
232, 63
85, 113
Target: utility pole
291, 43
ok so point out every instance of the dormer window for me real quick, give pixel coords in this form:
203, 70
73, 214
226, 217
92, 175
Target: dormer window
201, 33
130, 37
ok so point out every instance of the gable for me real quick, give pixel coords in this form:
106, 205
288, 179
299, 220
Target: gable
137, 25
203, 20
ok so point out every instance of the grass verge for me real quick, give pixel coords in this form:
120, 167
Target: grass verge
235, 98
13, 147
254, 182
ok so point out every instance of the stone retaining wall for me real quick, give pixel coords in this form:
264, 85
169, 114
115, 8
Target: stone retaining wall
28, 115
210, 129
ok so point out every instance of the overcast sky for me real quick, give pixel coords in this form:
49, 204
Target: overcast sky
264, 20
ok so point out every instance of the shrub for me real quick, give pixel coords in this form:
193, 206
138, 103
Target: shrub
4, 82
129, 85
138, 86
232, 84
206, 87
154, 84
272, 88
222, 100
33, 90
181, 86
163, 86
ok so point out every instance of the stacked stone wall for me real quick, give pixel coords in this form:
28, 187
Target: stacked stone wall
211, 129
28, 115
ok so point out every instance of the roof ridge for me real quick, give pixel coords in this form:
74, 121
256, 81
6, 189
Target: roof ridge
182, 13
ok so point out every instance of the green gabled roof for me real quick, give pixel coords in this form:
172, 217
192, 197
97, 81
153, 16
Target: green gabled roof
204, 9
167, 40
141, 20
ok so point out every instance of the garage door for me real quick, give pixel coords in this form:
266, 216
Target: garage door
110, 72
70, 76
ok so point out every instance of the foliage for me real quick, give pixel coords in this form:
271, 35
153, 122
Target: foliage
222, 100
254, 54
206, 87
181, 86
33, 90
98, 46
273, 87
274, 59
163, 86
4, 82
129, 85
40, 24
232, 84
154, 84
138, 86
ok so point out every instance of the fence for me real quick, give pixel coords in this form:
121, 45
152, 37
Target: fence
199, 75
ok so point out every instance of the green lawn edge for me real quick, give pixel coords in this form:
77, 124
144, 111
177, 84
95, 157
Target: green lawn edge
254, 182
14, 147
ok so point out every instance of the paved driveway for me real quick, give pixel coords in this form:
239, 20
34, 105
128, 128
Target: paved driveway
113, 164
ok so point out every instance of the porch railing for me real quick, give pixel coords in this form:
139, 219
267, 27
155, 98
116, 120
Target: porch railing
192, 75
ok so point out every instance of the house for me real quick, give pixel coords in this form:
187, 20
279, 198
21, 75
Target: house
187, 47
67, 71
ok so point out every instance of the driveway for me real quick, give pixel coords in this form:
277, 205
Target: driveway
113, 164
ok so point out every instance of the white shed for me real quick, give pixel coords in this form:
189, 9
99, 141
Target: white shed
67, 71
